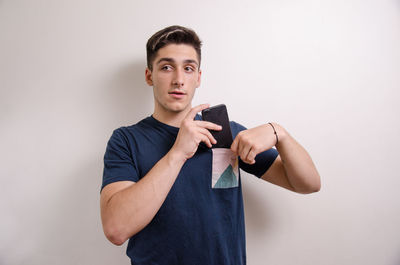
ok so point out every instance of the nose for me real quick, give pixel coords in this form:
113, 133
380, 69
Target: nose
178, 79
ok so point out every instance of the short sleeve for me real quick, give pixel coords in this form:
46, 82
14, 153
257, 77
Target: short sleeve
263, 160
119, 164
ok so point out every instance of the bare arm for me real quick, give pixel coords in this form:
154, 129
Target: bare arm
127, 207
293, 169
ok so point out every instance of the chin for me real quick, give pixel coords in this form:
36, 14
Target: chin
177, 107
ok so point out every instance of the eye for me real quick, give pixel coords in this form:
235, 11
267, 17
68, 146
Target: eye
190, 68
166, 68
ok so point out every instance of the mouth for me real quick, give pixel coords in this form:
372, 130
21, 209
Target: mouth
177, 94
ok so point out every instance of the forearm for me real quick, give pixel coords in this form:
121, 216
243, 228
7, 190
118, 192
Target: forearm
128, 211
297, 163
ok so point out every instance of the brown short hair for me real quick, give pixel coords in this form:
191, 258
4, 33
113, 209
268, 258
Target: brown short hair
172, 35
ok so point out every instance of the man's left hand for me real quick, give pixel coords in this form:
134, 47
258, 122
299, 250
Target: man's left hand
251, 142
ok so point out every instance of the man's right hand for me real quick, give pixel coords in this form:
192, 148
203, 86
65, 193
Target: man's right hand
192, 132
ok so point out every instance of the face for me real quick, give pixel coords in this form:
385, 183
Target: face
175, 77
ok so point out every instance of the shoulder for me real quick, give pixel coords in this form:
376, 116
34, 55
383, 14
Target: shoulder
131, 130
125, 135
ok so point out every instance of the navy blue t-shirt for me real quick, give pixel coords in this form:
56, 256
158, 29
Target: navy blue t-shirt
201, 220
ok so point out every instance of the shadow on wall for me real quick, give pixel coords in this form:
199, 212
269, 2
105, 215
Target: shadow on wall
260, 213
74, 234
128, 97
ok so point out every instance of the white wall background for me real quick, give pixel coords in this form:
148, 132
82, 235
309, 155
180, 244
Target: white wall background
329, 71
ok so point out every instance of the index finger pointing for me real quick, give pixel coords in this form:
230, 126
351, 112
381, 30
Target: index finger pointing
234, 145
192, 113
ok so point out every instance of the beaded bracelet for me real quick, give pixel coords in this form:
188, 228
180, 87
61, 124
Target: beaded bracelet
276, 135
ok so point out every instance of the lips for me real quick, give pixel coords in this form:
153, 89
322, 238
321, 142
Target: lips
177, 94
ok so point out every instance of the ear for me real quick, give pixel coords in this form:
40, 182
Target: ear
148, 77
199, 79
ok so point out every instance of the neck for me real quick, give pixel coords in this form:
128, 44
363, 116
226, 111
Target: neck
170, 117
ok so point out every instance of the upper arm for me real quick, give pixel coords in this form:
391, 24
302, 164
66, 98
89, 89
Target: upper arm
111, 231
109, 191
119, 163
276, 175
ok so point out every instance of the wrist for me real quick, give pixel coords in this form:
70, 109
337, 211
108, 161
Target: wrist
280, 133
175, 157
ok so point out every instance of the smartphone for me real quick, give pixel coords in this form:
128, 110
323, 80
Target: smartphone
219, 115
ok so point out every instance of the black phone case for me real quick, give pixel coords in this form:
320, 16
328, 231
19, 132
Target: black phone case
219, 115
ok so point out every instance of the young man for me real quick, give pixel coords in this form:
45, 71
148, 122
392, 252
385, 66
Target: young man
161, 188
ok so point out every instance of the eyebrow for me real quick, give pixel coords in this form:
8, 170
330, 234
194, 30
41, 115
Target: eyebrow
171, 60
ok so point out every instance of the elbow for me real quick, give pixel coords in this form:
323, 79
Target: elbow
118, 233
310, 187
308, 190
118, 241
315, 183
115, 235
315, 188
318, 187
